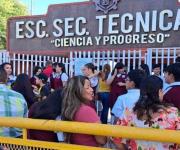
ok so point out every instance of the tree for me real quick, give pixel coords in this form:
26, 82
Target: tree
9, 8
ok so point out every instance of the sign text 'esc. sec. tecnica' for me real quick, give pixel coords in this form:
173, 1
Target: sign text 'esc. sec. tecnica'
121, 29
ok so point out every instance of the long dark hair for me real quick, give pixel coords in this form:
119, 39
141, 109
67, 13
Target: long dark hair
3, 76
23, 86
72, 96
6, 63
49, 108
62, 66
149, 101
145, 68
174, 69
119, 65
35, 70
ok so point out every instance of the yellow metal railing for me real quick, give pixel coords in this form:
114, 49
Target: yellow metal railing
89, 128
18, 144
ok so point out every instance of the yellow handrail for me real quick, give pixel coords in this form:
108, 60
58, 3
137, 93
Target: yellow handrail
94, 129
47, 145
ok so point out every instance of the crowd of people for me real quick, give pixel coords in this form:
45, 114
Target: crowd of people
136, 98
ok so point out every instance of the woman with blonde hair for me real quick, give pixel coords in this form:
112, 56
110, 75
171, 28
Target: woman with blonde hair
103, 91
77, 96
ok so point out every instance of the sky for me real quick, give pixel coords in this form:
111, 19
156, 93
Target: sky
40, 7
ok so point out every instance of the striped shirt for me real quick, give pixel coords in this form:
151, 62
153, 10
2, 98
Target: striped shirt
12, 104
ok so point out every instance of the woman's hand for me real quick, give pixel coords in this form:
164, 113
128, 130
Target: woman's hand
121, 84
119, 146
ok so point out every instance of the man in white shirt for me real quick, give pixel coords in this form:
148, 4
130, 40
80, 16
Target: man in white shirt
129, 99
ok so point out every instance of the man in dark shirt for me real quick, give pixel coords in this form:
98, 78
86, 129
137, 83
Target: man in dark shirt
172, 92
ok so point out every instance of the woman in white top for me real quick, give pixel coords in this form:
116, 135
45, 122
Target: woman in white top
8, 68
89, 71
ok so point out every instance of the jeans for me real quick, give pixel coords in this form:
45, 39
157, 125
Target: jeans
104, 98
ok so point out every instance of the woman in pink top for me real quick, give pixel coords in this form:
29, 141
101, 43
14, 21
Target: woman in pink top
77, 95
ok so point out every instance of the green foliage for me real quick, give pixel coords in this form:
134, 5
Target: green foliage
9, 8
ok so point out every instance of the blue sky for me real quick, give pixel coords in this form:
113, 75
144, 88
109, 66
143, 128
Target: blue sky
41, 6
